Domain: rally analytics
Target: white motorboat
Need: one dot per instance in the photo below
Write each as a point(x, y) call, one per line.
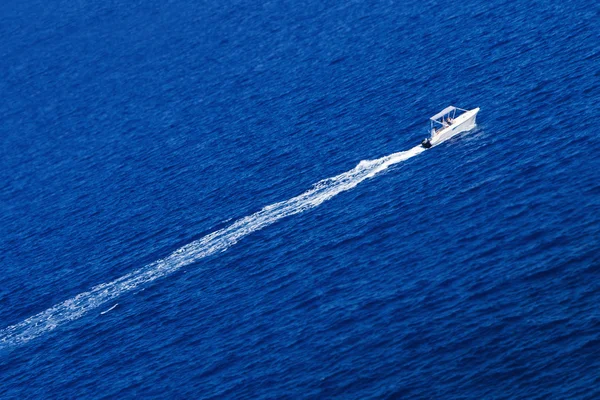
point(449, 122)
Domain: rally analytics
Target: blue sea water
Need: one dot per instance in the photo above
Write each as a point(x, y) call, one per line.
point(225, 200)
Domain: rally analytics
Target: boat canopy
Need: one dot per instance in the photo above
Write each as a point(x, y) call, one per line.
point(450, 111)
point(444, 112)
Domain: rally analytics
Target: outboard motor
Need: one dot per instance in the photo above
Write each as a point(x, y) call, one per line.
point(426, 143)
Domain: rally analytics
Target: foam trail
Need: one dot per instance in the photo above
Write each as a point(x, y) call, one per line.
point(215, 242)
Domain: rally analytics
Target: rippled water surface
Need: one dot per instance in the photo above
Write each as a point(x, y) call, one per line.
point(227, 200)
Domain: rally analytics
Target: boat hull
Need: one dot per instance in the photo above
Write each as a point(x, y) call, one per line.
point(463, 123)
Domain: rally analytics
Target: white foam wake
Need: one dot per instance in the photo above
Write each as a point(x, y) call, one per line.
point(217, 241)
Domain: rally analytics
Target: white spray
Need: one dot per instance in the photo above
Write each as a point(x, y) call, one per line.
point(217, 241)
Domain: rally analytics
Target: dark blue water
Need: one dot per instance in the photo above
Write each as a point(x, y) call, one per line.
point(161, 237)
